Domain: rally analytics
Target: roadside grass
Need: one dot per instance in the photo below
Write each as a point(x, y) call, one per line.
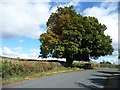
point(18, 70)
point(16, 78)
point(14, 70)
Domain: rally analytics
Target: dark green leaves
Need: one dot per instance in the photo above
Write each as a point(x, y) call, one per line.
point(73, 36)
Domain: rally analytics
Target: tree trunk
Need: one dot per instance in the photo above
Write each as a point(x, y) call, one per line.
point(69, 62)
point(85, 57)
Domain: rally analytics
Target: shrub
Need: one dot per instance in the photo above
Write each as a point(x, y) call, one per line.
point(85, 65)
point(14, 67)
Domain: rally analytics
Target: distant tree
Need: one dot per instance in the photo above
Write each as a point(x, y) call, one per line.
point(74, 37)
point(108, 62)
point(103, 62)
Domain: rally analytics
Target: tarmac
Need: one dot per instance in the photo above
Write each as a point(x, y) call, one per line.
point(113, 81)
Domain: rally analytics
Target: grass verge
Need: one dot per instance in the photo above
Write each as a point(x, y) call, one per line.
point(30, 76)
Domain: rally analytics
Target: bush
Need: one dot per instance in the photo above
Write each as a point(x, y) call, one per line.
point(14, 67)
point(107, 65)
point(85, 65)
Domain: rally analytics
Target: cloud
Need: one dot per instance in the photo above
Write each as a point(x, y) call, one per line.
point(112, 59)
point(26, 18)
point(35, 53)
point(62, 3)
point(19, 1)
point(115, 53)
point(7, 51)
point(23, 19)
point(11, 52)
point(106, 14)
point(18, 52)
point(15, 53)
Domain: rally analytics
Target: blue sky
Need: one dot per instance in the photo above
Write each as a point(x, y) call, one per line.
point(22, 22)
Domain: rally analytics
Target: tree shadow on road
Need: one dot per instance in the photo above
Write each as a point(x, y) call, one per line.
point(89, 87)
point(99, 81)
point(101, 75)
point(108, 72)
point(96, 83)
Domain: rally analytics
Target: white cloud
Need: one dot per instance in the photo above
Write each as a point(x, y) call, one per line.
point(68, 3)
point(23, 19)
point(106, 14)
point(11, 52)
point(17, 52)
point(7, 51)
point(34, 53)
point(112, 59)
point(115, 53)
point(19, 1)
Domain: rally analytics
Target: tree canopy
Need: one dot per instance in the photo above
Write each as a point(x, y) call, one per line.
point(75, 37)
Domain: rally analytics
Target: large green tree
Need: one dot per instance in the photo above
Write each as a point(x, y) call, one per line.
point(75, 37)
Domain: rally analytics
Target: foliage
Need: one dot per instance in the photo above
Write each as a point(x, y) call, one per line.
point(13, 67)
point(85, 65)
point(105, 62)
point(74, 37)
point(118, 66)
point(104, 65)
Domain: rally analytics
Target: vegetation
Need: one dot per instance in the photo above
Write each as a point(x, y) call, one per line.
point(107, 65)
point(74, 37)
point(11, 68)
point(105, 62)
point(16, 70)
point(85, 65)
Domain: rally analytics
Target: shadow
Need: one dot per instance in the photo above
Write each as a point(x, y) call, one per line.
point(100, 80)
point(108, 72)
point(115, 76)
point(85, 66)
point(89, 87)
point(101, 75)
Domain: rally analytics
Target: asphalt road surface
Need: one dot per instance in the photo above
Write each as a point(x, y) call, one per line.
point(88, 79)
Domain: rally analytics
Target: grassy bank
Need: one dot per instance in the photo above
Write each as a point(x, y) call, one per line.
point(18, 70)
point(30, 76)
point(11, 68)
point(14, 70)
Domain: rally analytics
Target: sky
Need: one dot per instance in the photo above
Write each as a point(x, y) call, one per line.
point(23, 21)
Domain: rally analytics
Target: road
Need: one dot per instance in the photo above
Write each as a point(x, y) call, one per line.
point(88, 79)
